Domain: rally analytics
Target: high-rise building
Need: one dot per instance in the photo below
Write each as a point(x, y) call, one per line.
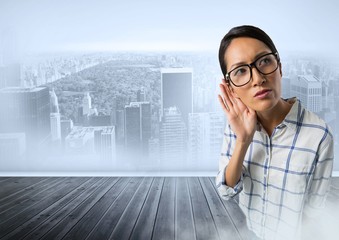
point(104, 143)
point(286, 87)
point(137, 126)
point(173, 139)
point(92, 141)
point(308, 89)
point(205, 131)
point(120, 127)
point(177, 90)
point(86, 104)
point(26, 110)
point(55, 117)
point(66, 128)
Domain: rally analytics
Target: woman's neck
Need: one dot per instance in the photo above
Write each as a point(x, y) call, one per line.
point(273, 117)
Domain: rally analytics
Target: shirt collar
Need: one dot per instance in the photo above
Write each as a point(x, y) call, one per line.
point(294, 116)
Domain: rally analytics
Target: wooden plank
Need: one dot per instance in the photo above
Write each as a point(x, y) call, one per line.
point(3, 179)
point(66, 209)
point(57, 193)
point(16, 184)
point(38, 224)
point(106, 224)
point(164, 227)
point(237, 216)
point(16, 207)
point(184, 222)
point(70, 220)
point(144, 226)
point(25, 194)
point(124, 227)
point(204, 224)
point(222, 219)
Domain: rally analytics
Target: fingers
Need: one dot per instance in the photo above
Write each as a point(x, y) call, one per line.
point(223, 104)
point(226, 96)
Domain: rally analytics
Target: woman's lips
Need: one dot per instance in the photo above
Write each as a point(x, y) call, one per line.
point(262, 93)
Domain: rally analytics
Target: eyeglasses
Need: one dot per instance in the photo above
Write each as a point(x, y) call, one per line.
point(242, 75)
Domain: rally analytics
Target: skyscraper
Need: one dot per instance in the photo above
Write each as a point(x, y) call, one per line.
point(173, 140)
point(120, 126)
point(26, 110)
point(86, 104)
point(177, 90)
point(92, 141)
point(104, 143)
point(205, 137)
point(137, 126)
point(286, 87)
point(66, 128)
point(55, 117)
point(308, 89)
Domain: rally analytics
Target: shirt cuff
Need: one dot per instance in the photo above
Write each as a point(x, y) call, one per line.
point(227, 192)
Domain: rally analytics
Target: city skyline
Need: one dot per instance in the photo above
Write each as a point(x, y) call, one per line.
point(92, 100)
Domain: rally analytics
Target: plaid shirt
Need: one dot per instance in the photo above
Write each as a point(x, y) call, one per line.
point(284, 176)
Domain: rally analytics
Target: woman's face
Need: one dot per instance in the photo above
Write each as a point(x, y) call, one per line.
point(263, 92)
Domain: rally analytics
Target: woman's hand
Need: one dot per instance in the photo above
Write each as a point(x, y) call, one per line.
point(242, 119)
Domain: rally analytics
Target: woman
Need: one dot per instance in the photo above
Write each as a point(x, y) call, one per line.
point(276, 154)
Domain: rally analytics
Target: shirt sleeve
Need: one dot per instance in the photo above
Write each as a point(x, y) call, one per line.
point(321, 179)
point(227, 192)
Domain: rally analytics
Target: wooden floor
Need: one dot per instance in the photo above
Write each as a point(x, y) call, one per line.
point(120, 208)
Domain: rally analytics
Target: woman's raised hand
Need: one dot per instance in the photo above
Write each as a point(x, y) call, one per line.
point(242, 119)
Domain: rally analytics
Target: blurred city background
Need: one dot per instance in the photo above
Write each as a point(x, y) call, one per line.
point(73, 103)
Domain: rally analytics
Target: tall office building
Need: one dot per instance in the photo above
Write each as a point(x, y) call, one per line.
point(137, 127)
point(66, 128)
point(173, 139)
point(104, 143)
point(55, 117)
point(177, 90)
point(286, 87)
point(205, 133)
point(86, 104)
point(120, 127)
point(308, 89)
point(92, 141)
point(26, 110)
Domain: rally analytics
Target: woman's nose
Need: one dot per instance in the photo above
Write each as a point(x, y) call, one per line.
point(257, 77)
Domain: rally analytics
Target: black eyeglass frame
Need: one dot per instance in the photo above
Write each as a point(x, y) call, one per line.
point(251, 65)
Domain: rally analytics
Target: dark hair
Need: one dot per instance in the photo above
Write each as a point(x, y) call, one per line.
point(242, 31)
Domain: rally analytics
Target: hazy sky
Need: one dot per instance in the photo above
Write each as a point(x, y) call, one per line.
point(41, 25)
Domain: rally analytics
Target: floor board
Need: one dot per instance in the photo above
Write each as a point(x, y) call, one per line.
point(177, 208)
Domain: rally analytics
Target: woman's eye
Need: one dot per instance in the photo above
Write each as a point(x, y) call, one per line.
point(264, 61)
point(240, 71)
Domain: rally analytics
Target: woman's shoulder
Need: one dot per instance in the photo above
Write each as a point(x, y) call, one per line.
point(313, 120)
point(311, 123)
